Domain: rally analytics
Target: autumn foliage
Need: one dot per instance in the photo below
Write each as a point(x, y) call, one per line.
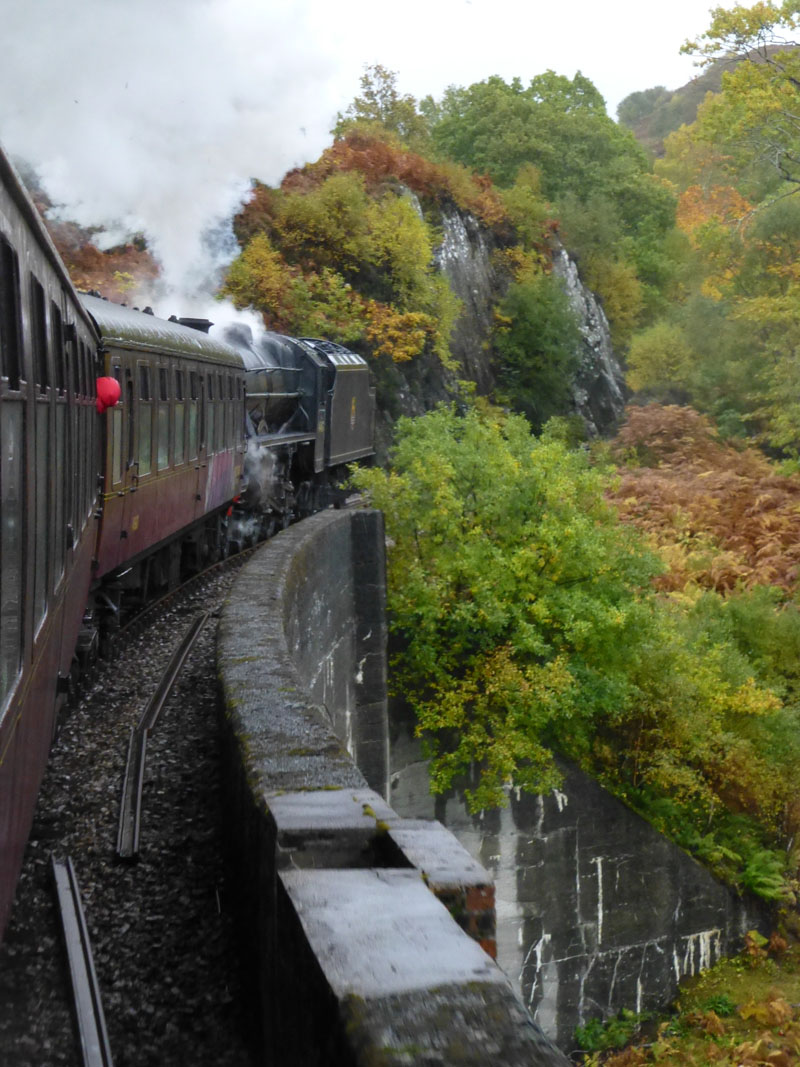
point(721, 515)
point(343, 250)
point(698, 206)
point(381, 161)
point(115, 273)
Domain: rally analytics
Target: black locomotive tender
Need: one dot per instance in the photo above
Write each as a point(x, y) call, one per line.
point(213, 444)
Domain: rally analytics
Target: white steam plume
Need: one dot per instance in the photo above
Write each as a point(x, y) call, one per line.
point(152, 115)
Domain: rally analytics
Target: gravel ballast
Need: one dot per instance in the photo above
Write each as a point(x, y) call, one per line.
point(163, 940)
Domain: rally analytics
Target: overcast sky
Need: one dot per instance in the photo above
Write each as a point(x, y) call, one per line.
point(155, 113)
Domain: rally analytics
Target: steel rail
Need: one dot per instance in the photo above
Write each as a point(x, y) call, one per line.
point(88, 1008)
point(139, 622)
point(159, 698)
point(130, 809)
point(130, 813)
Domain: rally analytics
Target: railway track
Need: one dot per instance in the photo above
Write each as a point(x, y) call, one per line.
point(131, 804)
point(89, 1017)
point(163, 940)
point(163, 946)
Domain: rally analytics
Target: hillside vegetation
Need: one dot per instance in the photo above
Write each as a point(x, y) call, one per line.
point(633, 606)
point(652, 114)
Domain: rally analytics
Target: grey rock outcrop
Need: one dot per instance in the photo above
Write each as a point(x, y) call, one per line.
point(599, 388)
point(465, 257)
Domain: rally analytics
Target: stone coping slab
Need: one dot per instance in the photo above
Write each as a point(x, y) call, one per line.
point(436, 852)
point(380, 932)
point(327, 810)
point(478, 1024)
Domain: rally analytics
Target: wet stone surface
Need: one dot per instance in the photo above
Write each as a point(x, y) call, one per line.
point(162, 938)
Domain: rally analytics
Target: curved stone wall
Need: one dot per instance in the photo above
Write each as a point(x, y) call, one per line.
point(352, 958)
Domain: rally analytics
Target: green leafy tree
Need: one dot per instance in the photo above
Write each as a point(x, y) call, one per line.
point(326, 225)
point(536, 338)
point(557, 123)
point(756, 113)
point(659, 361)
point(527, 207)
point(637, 106)
point(513, 594)
point(737, 170)
point(615, 215)
point(381, 104)
point(524, 623)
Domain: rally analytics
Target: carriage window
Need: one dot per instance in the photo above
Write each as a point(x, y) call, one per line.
point(10, 329)
point(163, 419)
point(180, 448)
point(39, 329)
point(83, 377)
point(129, 405)
point(60, 514)
point(73, 374)
point(228, 380)
point(41, 547)
point(116, 444)
point(116, 431)
point(145, 421)
point(85, 450)
point(194, 393)
point(57, 344)
point(210, 412)
point(221, 414)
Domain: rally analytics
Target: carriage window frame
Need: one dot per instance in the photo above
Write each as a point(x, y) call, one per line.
point(144, 418)
point(11, 347)
point(39, 334)
point(179, 409)
point(210, 412)
point(163, 421)
point(130, 420)
point(221, 414)
point(117, 428)
point(194, 421)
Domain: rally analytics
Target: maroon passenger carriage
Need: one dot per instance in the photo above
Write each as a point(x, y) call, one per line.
point(48, 487)
point(168, 458)
point(99, 512)
point(172, 460)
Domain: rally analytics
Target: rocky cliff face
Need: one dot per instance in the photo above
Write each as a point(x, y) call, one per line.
point(598, 392)
point(465, 258)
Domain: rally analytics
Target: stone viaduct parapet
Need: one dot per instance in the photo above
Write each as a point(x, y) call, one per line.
point(369, 937)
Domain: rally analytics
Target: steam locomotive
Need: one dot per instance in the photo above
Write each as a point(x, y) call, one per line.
point(212, 444)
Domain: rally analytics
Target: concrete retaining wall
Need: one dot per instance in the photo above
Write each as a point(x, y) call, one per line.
point(353, 951)
point(597, 911)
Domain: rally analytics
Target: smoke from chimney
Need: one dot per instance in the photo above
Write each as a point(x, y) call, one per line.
point(153, 116)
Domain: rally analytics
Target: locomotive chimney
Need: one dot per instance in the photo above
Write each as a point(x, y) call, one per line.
point(203, 325)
